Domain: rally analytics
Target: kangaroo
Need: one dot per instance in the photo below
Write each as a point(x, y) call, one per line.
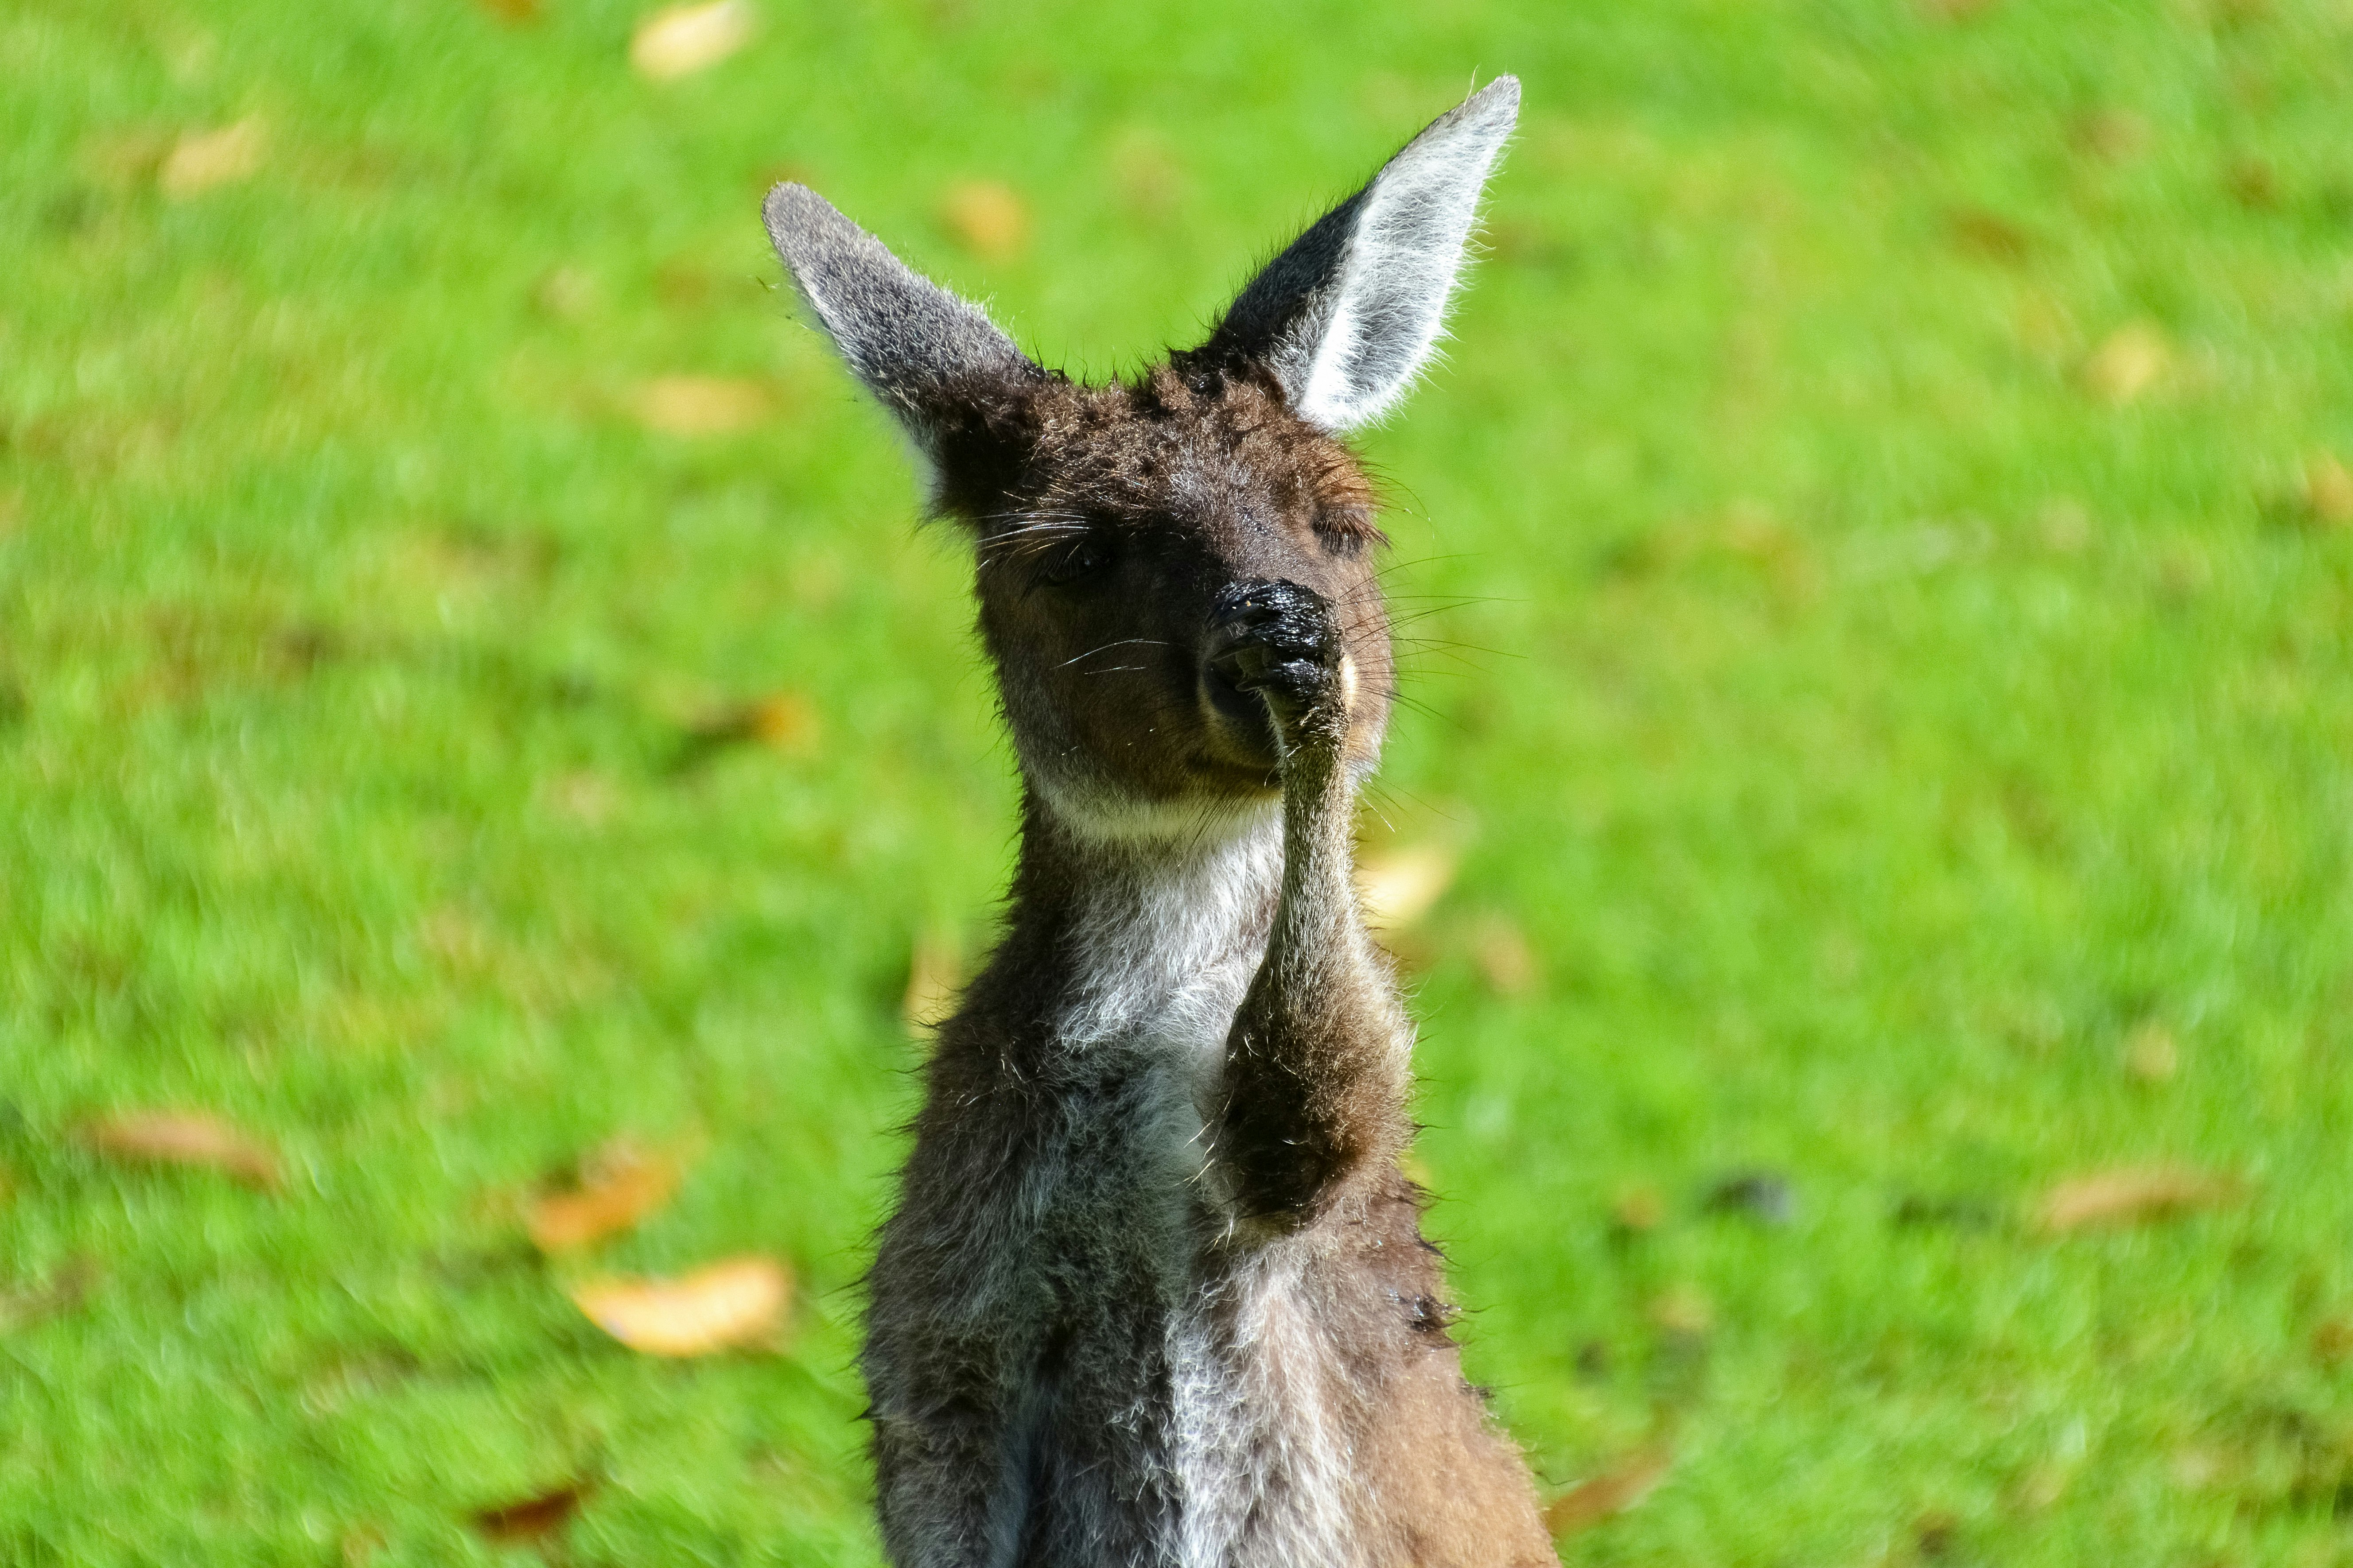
point(1155, 1291)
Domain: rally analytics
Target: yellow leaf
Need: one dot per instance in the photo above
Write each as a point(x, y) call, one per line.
point(935, 975)
point(734, 1303)
point(619, 1187)
point(682, 39)
point(184, 1137)
point(987, 217)
point(2328, 490)
point(1398, 887)
point(1613, 1492)
point(200, 161)
point(703, 405)
point(2151, 1054)
point(2132, 1194)
point(2129, 363)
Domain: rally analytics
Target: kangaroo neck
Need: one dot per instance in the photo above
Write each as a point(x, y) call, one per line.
point(1142, 934)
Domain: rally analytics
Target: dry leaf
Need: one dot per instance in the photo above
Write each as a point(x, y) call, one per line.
point(2328, 490)
point(619, 1186)
point(703, 405)
point(1638, 1209)
point(735, 1303)
point(1505, 960)
point(201, 161)
point(683, 40)
point(987, 219)
point(935, 975)
point(2132, 360)
point(184, 1137)
point(22, 1306)
point(1398, 887)
point(2151, 1054)
point(533, 1518)
point(1684, 1313)
point(2130, 1195)
point(1611, 1492)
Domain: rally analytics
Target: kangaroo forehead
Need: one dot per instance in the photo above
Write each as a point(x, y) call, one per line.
point(1193, 450)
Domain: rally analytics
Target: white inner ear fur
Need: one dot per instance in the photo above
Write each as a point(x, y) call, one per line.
point(1404, 260)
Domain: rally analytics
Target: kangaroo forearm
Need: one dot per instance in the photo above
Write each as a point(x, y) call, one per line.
point(1316, 1064)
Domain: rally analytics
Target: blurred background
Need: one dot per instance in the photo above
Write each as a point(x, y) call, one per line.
point(488, 766)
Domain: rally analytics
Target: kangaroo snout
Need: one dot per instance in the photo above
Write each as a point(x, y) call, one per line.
point(1274, 650)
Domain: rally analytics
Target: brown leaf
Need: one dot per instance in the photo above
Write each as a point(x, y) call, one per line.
point(1638, 1209)
point(2151, 1054)
point(2131, 360)
point(619, 1186)
point(682, 39)
point(987, 217)
point(1990, 235)
point(201, 161)
point(2131, 1196)
point(738, 1302)
point(703, 405)
point(2328, 490)
point(1505, 960)
point(22, 1306)
point(935, 975)
point(184, 1137)
point(535, 1517)
point(1398, 887)
point(1613, 1492)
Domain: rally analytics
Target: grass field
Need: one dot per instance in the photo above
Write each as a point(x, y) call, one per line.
point(471, 688)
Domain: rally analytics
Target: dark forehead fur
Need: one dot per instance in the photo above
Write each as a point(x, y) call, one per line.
point(1183, 444)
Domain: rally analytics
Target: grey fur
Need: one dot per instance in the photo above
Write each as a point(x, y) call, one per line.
point(916, 346)
point(1351, 313)
point(1155, 1294)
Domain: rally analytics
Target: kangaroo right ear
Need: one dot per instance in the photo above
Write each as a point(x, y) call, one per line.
point(935, 362)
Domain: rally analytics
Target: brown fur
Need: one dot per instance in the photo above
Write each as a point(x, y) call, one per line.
point(1155, 1291)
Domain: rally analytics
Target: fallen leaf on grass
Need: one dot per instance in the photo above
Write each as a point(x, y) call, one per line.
point(2131, 360)
point(184, 1137)
point(701, 404)
point(22, 1306)
point(532, 1519)
point(2151, 1054)
point(737, 1303)
point(1505, 960)
point(935, 974)
point(2328, 490)
point(682, 39)
point(619, 1186)
point(782, 720)
point(987, 217)
point(2131, 1196)
point(203, 159)
point(1398, 887)
point(1611, 1492)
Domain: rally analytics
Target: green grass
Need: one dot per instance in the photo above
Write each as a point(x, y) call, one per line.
point(1867, 722)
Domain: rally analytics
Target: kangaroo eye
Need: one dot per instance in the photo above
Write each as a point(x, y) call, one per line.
point(1074, 562)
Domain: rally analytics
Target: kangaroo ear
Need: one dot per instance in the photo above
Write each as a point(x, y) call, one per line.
point(1348, 315)
point(936, 363)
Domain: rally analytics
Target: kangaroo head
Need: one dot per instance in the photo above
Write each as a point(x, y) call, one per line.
point(1122, 533)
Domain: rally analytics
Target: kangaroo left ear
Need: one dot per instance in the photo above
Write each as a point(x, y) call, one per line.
point(1348, 317)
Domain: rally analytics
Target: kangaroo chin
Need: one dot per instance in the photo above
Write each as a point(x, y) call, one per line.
point(1155, 1291)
